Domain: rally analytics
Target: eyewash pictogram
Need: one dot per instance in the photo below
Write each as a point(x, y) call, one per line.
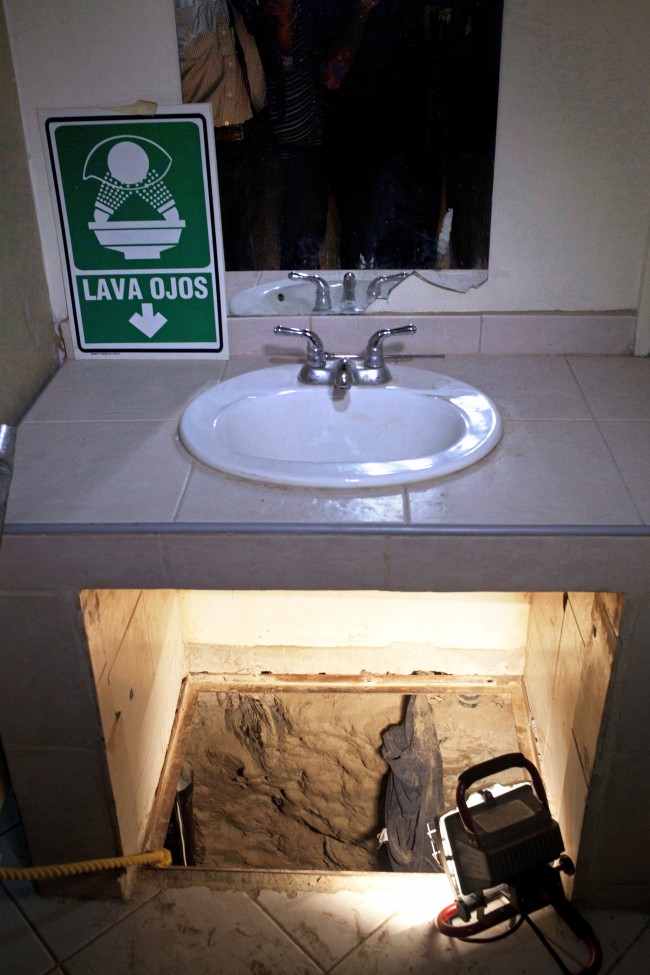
point(124, 168)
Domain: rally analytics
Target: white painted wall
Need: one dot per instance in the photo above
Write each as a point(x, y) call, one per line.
point(89, 54)
point(572, 185)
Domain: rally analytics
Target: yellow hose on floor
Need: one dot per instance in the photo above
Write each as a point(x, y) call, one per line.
point(159, 858)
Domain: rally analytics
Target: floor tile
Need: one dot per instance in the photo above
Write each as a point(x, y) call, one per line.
point(65, 925)
point(328, 926)
point(407, 942)
point(193, 930)
point(634, 960)
point(618, 935)
point(9, 815)
point(522, 953)
point(410, 941)
point(13, 847)
point(21, 951)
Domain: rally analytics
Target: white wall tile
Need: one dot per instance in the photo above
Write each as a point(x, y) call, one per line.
point(106, 617)
point(269, 561)
point(63, 794)
point(131, 679)
point(80, 560)
point(439, 562)
point(47, 695)
point(544, 634)
point(572, 805)
point(549, 334)
point(566, 686)
point(591, 692)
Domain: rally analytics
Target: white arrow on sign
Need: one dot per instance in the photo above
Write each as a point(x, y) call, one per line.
point(147, 321)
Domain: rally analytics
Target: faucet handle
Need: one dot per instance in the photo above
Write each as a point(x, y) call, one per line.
point(375, 348)
point(323, 301)
point(316, 354)
point(374, 288)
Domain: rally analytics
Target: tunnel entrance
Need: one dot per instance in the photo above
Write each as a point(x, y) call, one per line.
point(296, 780)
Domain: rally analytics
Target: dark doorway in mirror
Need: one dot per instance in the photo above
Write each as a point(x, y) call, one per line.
point(349, 133)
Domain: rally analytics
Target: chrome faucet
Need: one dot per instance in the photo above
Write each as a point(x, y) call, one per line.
point(318, 367)
point(349, 287)
point(343, 376)
point(374, 371)
point(374, 288)
point(343, 371)
point(323, 301)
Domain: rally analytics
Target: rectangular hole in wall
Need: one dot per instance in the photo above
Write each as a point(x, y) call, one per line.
point(169, 664)
point(292, 776)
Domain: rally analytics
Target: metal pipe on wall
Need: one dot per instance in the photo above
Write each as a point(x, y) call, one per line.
point(7, 447)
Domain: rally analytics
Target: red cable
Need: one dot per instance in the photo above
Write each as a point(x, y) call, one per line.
point(447, 914)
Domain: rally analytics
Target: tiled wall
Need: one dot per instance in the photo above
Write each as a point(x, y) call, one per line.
point(134, 639)
point(28, 343)
point(614, 843)
point(550, 333)
point(571, 645)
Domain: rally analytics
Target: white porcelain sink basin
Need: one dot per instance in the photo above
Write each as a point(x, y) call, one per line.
point(267, 426)
point(295, 298)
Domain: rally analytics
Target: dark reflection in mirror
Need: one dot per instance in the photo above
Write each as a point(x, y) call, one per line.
point(349, 133)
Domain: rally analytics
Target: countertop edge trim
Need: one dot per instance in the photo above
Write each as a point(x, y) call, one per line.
point(389, 528)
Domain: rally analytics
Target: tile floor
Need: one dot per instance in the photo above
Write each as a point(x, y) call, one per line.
point(205, 931)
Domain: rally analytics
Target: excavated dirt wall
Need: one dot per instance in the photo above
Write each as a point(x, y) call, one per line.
point(296, 780)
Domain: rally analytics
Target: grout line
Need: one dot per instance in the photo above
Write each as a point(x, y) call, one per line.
point(625, 951)
point(386, 546)
point(285, 932)
point(109, 927)
point(363, 941)
point(30, 924)
point(406, 506)
point(596, 421)
point(182, 493)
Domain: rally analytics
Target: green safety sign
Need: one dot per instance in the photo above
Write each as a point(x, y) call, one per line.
point(138, 213)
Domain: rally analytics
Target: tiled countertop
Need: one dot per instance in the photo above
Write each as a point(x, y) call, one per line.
point(99, 453)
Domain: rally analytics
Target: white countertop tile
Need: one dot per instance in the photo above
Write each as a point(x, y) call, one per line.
point(100, 447)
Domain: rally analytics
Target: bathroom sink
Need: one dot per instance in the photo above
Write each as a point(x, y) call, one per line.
point(295, 298)
point(267, 426)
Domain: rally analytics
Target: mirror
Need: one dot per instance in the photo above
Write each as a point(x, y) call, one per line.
point(352, 134)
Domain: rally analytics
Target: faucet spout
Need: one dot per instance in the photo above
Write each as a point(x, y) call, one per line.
point(343, 375)
point(349, 286)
